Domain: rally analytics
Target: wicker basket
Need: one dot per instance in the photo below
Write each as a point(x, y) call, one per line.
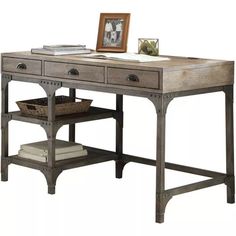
point(64, 105)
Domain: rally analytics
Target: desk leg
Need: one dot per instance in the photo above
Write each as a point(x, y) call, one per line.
point(4, 128)
point(119, 136)
point(230, 182)
point(72, 93)
point(160, 168)
point(161, 103)
point(51, 172)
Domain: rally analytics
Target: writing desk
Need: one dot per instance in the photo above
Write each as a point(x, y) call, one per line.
point(160, 82)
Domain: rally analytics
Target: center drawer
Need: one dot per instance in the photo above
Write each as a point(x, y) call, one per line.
point(74, 71)
point(136, 78)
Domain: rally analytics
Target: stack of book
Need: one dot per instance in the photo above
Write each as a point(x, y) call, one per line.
point(38, 151)
point(56, 50)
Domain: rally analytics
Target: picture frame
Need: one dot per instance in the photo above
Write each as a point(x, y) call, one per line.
point(113, 32)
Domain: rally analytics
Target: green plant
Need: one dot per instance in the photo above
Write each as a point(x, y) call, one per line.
point(149, 47)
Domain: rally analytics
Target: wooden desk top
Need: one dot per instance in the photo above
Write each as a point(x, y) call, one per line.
point(177, 74)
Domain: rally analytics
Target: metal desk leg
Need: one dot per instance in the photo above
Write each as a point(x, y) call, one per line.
point(72, 93)
point(51, 172)
point(160, 168)
point(230, 181)
point(119, 136)
point(4, 127)
point(161, 103)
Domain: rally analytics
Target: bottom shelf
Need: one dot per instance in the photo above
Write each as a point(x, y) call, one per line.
point(94, 156)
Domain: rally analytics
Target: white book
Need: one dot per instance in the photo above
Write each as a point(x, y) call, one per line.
point(60, 52)
point(132, 57)
point(64, 47)
point(41, 148)
point(58, 157)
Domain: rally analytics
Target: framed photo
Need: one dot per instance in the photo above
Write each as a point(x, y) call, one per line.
point(113, 32)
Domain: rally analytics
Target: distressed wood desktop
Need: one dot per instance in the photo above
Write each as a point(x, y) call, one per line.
point(160, 82)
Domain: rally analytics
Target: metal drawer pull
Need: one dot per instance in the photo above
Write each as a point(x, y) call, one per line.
point(133, 78)
point(73, 71)
point(21, 66)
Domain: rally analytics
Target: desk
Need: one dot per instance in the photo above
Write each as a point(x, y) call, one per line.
point(160, 82)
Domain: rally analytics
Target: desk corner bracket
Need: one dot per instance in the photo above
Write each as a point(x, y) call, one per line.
point(161, 102)
point(51, 128)
point(50, 87)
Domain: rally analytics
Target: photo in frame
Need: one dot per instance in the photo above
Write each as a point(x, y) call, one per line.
point(113, 32)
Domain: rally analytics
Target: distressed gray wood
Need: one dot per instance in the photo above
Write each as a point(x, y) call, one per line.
point(85, 72)
point(174, 64)
point(198, 77)
point(146, 79)
point(178, 74)
point(87, 85)
point(32, 66)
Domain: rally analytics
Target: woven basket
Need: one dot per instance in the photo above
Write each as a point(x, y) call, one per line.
point(64, 105)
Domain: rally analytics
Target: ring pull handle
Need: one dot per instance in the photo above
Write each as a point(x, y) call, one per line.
point(133, 78)
point(21, 66)
point(73, 71)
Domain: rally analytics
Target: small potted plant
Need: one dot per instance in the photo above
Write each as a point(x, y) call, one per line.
point(148, 46)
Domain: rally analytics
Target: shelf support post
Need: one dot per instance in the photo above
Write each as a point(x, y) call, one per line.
point(120, 163)
point(5, 79)
point(72, 93)
point(51, 128)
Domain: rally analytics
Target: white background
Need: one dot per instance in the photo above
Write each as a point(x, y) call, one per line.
point(89, 200)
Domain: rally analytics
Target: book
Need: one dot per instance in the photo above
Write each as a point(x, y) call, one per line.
point(132, 57)
point(65, 47)
point(58, 157)
point(58, 52)
point(41, 148)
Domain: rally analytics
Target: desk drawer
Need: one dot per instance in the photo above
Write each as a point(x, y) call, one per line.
point(19, 65)
point(74, 71)
point(136, 78)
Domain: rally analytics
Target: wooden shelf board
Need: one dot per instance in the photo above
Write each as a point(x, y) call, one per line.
point(94, 156)
point(94, 113)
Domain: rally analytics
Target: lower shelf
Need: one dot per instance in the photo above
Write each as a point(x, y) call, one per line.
point(94, 156)
point(98, 155)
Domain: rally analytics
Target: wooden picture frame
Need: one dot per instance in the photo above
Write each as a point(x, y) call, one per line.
point(113, 32)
